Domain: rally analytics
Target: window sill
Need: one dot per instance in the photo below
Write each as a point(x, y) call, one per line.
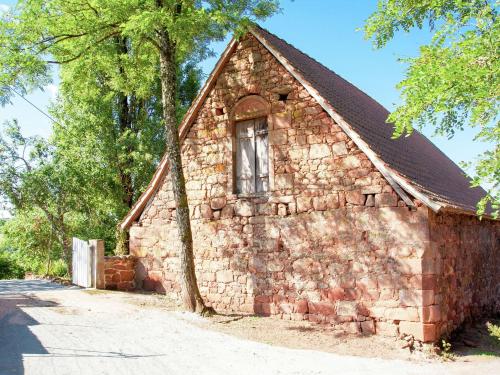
point(253, 195)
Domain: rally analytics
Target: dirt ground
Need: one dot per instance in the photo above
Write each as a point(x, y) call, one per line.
point(50, 329)
point(471, 344)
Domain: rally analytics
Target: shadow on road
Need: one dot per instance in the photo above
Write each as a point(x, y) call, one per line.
point(16, 338)
point(28, 286)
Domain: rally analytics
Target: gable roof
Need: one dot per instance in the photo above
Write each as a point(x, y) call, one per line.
point(410, 164)
point(414, 157)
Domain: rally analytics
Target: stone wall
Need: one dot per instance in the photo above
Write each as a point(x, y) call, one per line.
point(464, 259)
point(331, 242)
point(119, 272)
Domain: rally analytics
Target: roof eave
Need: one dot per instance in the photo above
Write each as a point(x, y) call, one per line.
point(186, 122)
point(398, 183)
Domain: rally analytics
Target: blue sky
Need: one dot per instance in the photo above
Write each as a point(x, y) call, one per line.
point(325, 30)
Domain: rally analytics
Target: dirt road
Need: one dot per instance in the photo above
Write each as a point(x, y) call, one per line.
point(49, 329)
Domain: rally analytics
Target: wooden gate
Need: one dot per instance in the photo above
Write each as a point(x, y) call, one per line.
point(82, 263)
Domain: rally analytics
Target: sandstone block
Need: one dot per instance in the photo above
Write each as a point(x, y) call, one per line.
point(206, 211)
point(335, 294)
point(303, 204)
point(286, 308)
point(282, 120)
point(227, 212)
point(425, 332)
point(217, 191)
point(367, 283)
point(351, 327)
point(243, 208)
point(368, 327)
point(431, 314)
point(278, 137)
point(374, 189)
point(355, 197)
point(301, 307)
point(339, 148)
point(321, 308)
point(386, 329)
point(350, 162)
point(127, 275)
point(283, 181)
point(332, 201)
point(402, 313)
point(320, 203)
point(217, 203)
point(319, 151)
point(386, 200)
point(224, 276)
point(347, 308)
point(415, 297)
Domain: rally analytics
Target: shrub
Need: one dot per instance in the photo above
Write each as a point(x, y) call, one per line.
point(9, 267)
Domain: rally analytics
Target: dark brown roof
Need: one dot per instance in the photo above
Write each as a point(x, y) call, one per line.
point(414, 157)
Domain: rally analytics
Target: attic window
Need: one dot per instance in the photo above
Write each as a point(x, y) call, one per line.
point(219, 111)
point(283, 97)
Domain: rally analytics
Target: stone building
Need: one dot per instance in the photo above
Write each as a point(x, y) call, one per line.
point(303, 207)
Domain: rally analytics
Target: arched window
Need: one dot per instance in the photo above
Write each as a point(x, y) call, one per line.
point(251, 146)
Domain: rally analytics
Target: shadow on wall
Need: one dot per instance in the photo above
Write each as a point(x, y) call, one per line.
point(333, 266)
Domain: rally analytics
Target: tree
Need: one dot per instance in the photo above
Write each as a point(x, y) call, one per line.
point(454, 82)
point(161, 33)
point(32, 180)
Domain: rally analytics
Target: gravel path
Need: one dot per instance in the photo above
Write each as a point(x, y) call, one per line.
point(49, 329)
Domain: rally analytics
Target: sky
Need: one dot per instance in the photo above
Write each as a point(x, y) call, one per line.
point(327, 31)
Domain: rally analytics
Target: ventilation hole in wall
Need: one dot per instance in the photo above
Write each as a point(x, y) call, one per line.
point(283, 97)
point(369, 200)
point(219, 111)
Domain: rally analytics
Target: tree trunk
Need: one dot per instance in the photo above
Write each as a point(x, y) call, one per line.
point(49, 249)
point(124, 125)
point(190, 293)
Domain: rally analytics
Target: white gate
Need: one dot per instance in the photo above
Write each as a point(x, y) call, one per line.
point(82, 263)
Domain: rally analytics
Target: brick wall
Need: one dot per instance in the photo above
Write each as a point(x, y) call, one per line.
point(119, 272)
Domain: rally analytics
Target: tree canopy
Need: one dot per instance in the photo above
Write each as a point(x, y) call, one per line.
point(454, 82)
point(128, 73)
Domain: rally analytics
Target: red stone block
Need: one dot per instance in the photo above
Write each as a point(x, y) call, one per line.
point(301, 307)
point(263, 309)
point(421, 331)
point(127, 275)
point(431, 314)
point(321, 308)
point(335, 294)
point(351, 294)
point(429, 282)
point(368, 327)
point(263, 299)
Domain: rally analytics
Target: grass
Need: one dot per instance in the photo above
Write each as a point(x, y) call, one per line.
point(481, 339)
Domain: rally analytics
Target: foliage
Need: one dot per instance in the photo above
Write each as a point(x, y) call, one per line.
point(446, 351)
point(454, 82)
point(117, 106)
point(494, 330)
point(9, 268)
